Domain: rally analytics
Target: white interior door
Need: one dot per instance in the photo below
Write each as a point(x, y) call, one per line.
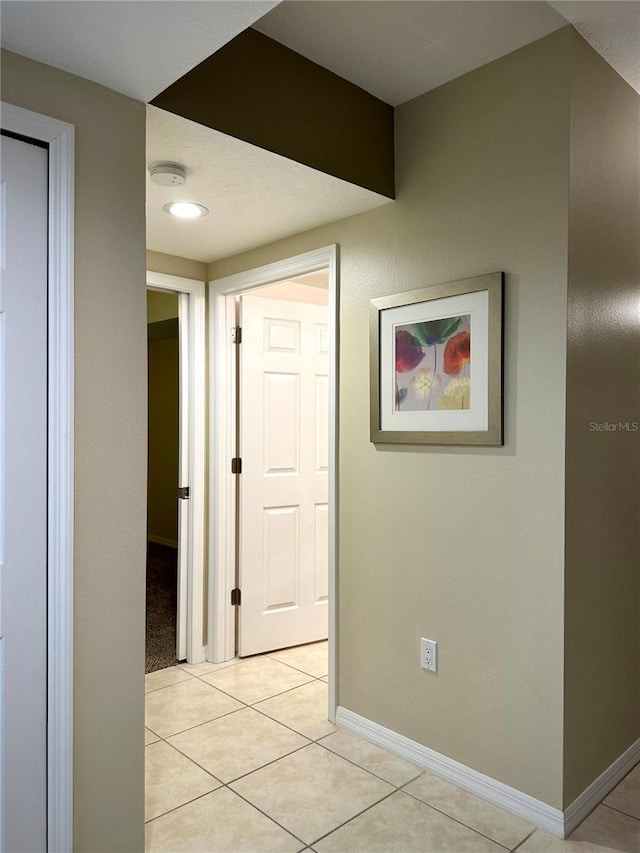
point(23, 495)
point(284, 430)
point(184, 539)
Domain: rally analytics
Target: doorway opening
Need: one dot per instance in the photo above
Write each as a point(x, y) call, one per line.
point(282, 439)
point(273, 513)
point(163, 363)
point(176, 460)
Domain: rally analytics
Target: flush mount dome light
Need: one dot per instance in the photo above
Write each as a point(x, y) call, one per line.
point(185, 209)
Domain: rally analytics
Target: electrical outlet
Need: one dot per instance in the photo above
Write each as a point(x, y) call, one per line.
point(429, 654)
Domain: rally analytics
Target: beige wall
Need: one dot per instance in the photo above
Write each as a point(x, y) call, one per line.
point(161, 306)
point(164, 420)
point(110, 446)
point(174, 265)
point(602, 631)
point(463, 545)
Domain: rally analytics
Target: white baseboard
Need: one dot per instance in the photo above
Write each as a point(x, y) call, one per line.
point(482, 786)
point(598, 789)
point(555, 821)
point(160, 540)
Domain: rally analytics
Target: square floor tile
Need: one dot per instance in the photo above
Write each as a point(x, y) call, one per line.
point(312, 791)
point(609, 828)
point(256, 679)
point(172, 780)
point(220, 821)
point(403, 824)
point(312, 659)
point(182, 706)
point(303, 709)
point(500, 825)
point(237, 743)
point(149, 737)
point(164, 678)
point(543, 842)
point(626, 795)
point(378, 761)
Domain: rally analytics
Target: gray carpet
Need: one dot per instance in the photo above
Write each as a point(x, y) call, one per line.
point(162, 602)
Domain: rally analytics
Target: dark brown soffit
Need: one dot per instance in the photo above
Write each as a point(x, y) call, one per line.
point(260, 91)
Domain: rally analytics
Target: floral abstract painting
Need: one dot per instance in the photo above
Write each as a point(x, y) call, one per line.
point(430, 382)
point(433, 364)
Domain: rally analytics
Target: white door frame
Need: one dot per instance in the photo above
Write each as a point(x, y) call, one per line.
point(194, 375)
point(222, 545)
point(59, 136)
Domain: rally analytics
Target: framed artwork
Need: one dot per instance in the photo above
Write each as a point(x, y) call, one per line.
point(436, 364)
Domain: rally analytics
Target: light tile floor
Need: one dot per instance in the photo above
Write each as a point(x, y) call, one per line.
point(240, 758)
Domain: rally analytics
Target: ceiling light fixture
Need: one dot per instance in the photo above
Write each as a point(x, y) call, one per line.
point(185, 209)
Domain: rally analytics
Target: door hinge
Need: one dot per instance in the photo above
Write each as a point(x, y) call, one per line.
point(236, 335)
point(183, 493)
point(236, 597)
point(236, 465)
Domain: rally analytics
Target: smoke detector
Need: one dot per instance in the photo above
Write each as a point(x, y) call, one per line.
point(168, 174)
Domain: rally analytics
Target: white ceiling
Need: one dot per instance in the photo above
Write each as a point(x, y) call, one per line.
point(253, 195)
point(612, 28)
point(392, 48)
point(397, 50)
point(137, 47)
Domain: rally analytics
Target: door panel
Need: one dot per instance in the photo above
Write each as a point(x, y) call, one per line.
point(284, 430)
point(23, 550)
point(184, 539)
point(321, 424)
point(321, 542)
point(281, 563)
point(281, 423)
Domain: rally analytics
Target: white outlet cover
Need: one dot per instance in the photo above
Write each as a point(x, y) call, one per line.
point(428, 654)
